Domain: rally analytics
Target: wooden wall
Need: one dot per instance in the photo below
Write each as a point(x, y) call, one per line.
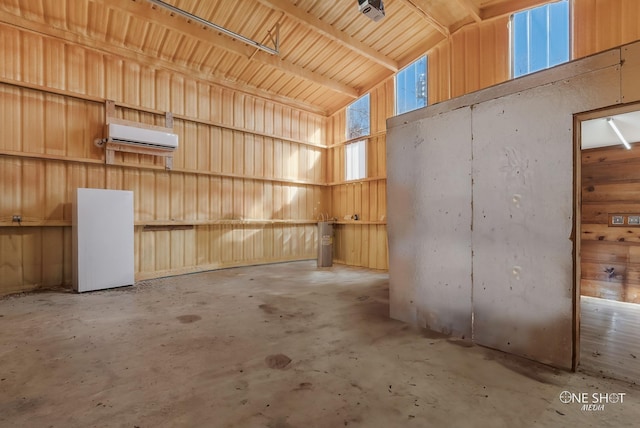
point(247, 184)
point(610, 266)
point(608, 172)
point(475, 57)
point(599, 25)
point(361, 242)
point(250, 175)
point(472, 59)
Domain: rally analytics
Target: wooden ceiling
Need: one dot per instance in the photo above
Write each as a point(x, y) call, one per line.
point(329, 53)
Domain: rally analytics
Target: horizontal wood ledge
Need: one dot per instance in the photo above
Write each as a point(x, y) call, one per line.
point(159, 168)
point(167, 223)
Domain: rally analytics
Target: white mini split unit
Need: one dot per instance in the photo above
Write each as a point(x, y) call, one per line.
point(134, 136)
point(373, 9)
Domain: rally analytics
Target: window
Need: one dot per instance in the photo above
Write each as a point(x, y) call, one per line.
point(355, 160)
point(540, 38)
point(358, 118)
point(411, 86)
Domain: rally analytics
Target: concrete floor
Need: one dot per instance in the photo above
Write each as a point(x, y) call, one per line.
point(284, 345)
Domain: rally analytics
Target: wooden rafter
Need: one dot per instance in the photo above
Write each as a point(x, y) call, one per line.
point(472, 9)
point(423, 11)
point(145, 10)
point(105, 47)
point(331, 32)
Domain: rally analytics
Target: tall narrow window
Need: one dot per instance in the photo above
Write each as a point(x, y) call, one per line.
point(355, 160)
point(411, 86)
point(358, 124)
point(540, 38)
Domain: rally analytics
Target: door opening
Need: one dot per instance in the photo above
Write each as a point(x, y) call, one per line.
point(607, 248)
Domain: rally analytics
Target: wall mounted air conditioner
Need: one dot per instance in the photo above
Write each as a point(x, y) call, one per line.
point(135, 136)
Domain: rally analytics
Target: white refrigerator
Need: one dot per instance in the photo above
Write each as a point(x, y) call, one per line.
point(102, 239)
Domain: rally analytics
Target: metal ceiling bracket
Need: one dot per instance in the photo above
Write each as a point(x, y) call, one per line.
point(226, 31)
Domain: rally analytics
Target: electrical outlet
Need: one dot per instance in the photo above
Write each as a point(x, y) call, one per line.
point(17, 219)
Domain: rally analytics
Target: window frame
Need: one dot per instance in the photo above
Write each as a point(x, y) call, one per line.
point(426, 85)
point(355, 168)
point(367, 132)
point(512, 42)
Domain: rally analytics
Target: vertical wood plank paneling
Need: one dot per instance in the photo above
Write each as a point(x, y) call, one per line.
point(226, 197)
point(603, 24)
point(31, 256)
point(238, 199)
point(494, 47)
point(113, 78)
point(114, 178)
point(55, 191)
point(11, 118)
point(177, 94)
point(55, 120)
point(41, 190)
point(215, 198)
point(11, 268)
point(31, 185)
point(191, 99)
point(131, 83)
point(258, 156)
point(202, 198)
point(215, 153)
point(162, 90)
point(203, 244)
point(162, 250)
point(75, 69)
point(53, 256)
point(11, 53)
point(190, 249)
point(96, 176)
point(610, 262)
point(177, 248)
point(145, 209)
point(237, 152)
point(32, 65)
point(177, 197)
point(190, 146)
point(54, 60)
point(77, 135)
point(227, 151)
point(11, 174)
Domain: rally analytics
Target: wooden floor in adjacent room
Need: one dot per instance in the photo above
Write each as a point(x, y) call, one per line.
point(610, 338)
point(285, 345)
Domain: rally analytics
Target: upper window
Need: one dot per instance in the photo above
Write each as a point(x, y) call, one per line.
point(411, 86)
point(358, 124)
point(540, 38)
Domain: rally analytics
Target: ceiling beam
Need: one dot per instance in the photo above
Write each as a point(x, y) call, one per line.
point(423, 11)
point(509, 7)
point(471, 9)
point(154, 15)
point(331, 32)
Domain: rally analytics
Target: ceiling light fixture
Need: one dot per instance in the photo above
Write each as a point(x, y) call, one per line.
point(618, 133)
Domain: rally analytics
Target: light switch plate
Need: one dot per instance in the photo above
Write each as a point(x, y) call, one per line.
point(617, 219)
point(633, 220)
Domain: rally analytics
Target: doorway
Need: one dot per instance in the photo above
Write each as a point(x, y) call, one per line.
point(608, 242)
